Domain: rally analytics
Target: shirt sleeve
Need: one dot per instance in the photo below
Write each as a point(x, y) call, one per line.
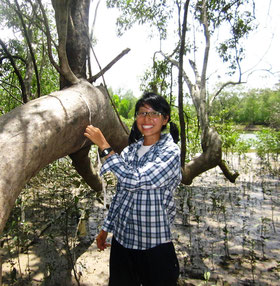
point(107, 224)
point(161, 172)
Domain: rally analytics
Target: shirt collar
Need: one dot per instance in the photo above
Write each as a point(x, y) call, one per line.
point(164, 137)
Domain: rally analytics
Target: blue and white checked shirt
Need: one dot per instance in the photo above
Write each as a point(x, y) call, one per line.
point(143, 208)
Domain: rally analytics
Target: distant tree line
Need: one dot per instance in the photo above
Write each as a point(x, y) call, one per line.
point(254, 107)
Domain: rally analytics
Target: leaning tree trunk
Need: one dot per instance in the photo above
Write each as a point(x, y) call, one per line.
point(48, 128)
point(211, 143)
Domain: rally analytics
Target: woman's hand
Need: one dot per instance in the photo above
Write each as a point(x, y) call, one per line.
point(96, 136)
point(101, 240)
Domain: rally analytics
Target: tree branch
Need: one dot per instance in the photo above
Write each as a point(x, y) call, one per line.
point(180, 85)
point(196, 73)
point(207, 46)
point(91, 37)
point(30, 48)
point(221, 88)
point(20, 79)
point(11, 95)
point(102, 72)
point(176, 64)
point(231, 176)
point(49, 40)
point(62, 8)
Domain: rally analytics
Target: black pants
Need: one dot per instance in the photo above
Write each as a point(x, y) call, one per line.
point(157, 266)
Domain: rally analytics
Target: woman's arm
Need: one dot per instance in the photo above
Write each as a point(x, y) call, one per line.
point(161, 172)
point(97, 137)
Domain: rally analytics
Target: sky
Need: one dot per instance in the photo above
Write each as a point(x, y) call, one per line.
point(262, 50)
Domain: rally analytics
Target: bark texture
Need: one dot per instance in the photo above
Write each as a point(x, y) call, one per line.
point(48, 128)
point(210, 158)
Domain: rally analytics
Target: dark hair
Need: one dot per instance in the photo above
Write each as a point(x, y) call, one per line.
point(158, 103)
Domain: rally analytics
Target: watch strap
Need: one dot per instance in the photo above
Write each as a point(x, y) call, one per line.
point(106, 152)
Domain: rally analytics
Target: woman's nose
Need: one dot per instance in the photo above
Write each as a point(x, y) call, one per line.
point(147, 118)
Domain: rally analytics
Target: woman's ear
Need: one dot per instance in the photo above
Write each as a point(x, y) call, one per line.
point(165, 120)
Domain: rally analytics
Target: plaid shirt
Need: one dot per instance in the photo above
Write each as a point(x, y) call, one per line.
point(143, 208)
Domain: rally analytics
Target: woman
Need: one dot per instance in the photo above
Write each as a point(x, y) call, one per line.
point(143, 209)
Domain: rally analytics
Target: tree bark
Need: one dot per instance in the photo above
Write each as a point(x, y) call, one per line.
point(77, 43)
point(48, 128)
point(210, 158)
point(62, 8)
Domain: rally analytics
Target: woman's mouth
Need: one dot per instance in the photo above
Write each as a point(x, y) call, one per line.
point(147, 126)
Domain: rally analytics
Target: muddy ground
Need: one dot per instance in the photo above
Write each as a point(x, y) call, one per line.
point(228, 233)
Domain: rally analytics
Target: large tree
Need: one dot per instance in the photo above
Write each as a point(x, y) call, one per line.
point(52, 126)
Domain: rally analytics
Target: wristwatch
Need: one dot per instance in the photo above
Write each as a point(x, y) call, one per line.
point(106, 152)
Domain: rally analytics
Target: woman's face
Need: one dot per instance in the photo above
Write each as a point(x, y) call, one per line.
point(149, 123)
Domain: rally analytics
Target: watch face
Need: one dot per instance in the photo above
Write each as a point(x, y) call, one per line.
point(105, 152)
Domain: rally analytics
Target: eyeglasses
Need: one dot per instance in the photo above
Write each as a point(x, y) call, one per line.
point(151, 114)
